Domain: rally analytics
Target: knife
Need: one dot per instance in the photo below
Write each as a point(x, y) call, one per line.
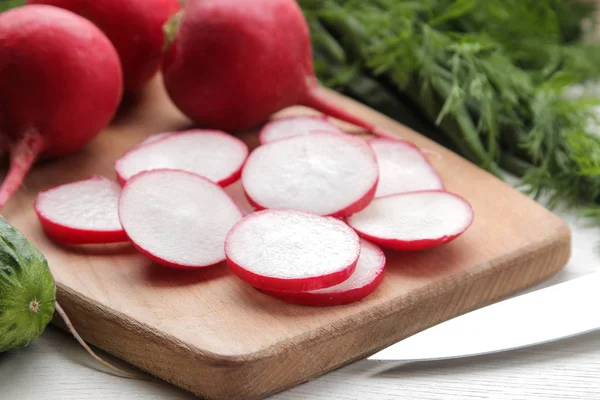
point(556, 312)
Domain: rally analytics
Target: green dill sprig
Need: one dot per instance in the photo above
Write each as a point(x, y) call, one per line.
point(486, 76)
point(8, 4)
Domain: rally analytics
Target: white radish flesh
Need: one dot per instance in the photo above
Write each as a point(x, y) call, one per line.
point(177, 218)
point(295, 126)
point(323, 173)
point(366, 278)
point(212, 154)
point(413, 221)
point(83, 212)
point(286, 250)
point(403, 168)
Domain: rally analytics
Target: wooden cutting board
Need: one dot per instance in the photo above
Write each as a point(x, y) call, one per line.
point(216, 336)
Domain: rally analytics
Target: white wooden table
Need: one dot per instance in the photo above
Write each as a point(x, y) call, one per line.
point(55, 367)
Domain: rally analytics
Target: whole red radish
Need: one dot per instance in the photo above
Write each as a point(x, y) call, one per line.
point(62, 85)
point(135, 27)
point(233, 63)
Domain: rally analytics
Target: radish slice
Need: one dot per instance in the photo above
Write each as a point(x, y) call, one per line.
point(295, 126)
point(236, 192)
point(177, 218)
point(83, 212)
point(323, 173)
point(414, 221)
point(366, 278)
point(286, 250)
point(403, 168)
point(212, 154)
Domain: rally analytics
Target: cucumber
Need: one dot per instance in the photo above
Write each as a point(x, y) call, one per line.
point(27, 290)
point(28, 296)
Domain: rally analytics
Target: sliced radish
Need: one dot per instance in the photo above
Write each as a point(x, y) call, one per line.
point(286, 250)
point(414, 221)
point(295, 126)
point(83, 212)
point(215, 155)
point(323, 173)
point(236, 192)
point(366, 278)
point(177, 218)
point(403, 168)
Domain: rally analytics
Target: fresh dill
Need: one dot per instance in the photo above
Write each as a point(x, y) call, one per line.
point(484, 77)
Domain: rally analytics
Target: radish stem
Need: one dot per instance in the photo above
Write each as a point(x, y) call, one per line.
point(118, 371)
point(317, 101)
point(22, 157)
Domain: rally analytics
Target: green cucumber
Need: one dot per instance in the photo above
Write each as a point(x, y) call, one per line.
point(27, 290)
point(28, 296)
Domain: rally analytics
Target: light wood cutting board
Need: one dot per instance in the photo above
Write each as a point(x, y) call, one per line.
point(216, 336)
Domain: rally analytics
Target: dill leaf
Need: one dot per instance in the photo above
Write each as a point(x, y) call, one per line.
point(487, 76)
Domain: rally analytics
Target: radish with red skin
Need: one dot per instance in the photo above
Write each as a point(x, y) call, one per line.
point(324, 173)
point(176, 218)
point(413, 221)
point(364, 280)
point(233, 63)
point(403, 168)
point(63, 85)
point(295, 126)
point(288, 250)
point(212, 154)
point(83, 212)
point(135, 28)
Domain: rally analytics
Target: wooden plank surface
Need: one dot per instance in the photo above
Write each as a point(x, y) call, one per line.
point(567, 369)
point(215, 336)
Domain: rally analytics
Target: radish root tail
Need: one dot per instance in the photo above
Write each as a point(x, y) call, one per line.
point(431, 154)
point(116, 370)
point(317, 100)
point(22, 157)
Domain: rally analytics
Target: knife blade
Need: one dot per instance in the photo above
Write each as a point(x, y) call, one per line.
point(556, 312)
